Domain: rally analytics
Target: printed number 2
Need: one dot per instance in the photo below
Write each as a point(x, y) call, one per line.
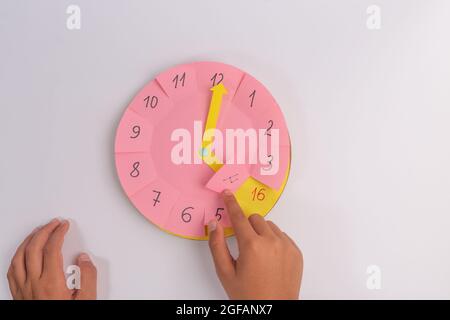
point(177, 79)
point(267, 133)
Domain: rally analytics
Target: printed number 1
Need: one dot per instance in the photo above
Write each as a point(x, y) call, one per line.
point(215, 78)
point(252, 96)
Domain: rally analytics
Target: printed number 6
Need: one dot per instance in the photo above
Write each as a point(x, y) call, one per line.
point(186, 216)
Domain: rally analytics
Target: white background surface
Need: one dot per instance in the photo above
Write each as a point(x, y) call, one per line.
point(368, 112)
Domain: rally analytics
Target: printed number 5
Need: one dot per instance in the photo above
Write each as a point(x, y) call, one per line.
point(219, 214)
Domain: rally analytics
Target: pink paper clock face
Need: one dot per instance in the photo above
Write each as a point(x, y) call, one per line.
point(190, 133)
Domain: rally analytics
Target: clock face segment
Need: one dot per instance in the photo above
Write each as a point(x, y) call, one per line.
point(190, 133)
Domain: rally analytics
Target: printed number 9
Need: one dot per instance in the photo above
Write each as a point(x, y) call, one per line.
point(137, 131)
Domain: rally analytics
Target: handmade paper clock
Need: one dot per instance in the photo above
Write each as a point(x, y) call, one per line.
point(190, 133)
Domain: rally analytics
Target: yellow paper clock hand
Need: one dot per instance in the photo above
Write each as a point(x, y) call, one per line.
point(211, 123)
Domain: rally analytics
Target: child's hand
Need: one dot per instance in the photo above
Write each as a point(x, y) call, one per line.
point(269, 265)
point(36, 270)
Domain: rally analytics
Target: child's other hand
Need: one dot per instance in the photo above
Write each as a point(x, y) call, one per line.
point(36, 270)
point(269, 265)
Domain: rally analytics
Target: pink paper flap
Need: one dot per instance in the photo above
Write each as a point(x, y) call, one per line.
point(229, 176)
point(267, 173)
point(133, 134)
point(179, 82)
point(215, 209)
point(252, 97)
point(156, 201)
point(210, 74)
point(135, 171)
point(186, 218)
point(151, 103)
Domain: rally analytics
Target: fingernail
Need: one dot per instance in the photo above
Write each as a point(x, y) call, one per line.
point(227, 192)
point(54, 220)
point(212, 225)
point(84, 257)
